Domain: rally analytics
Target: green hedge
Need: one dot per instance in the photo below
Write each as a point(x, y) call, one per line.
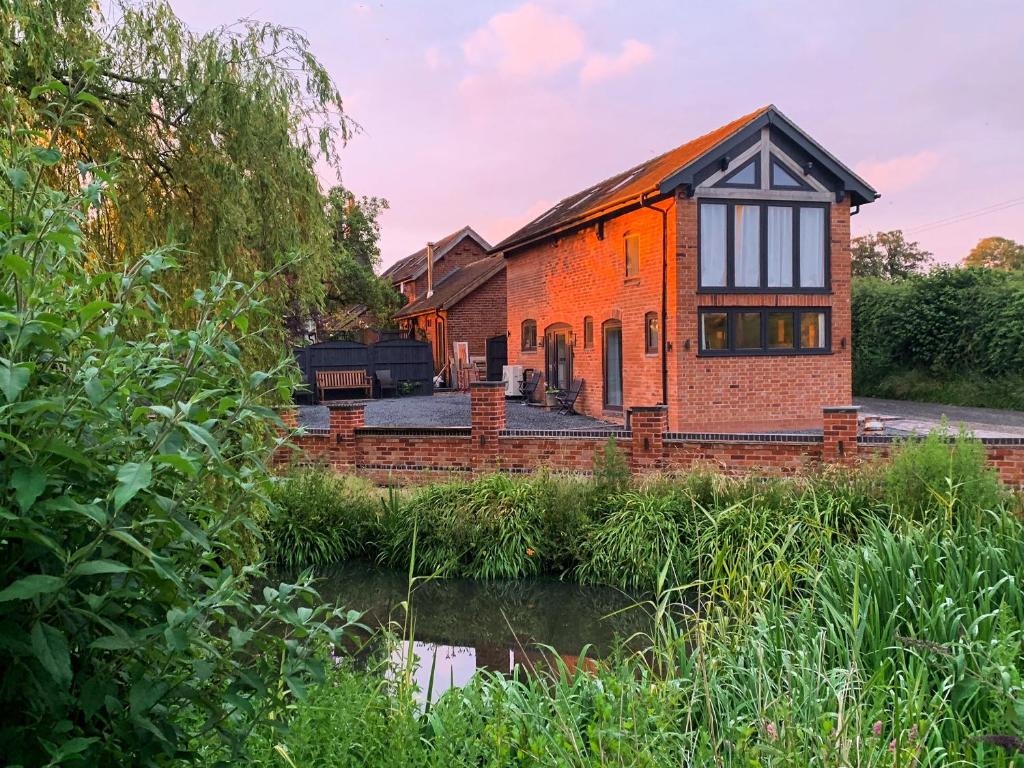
point(951, 323)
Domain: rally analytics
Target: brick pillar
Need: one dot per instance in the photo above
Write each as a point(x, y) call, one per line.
point(840, 434)
point(487, 419)
point(346, 418)
point(290, 420)
point(649, 423)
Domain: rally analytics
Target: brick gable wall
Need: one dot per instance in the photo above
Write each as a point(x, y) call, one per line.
point(466, 252)
point(579, 275)
point(480, 315)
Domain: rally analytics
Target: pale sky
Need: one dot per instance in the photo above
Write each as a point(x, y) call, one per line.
point(487, 113)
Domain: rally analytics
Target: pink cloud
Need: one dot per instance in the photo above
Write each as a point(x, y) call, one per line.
point(899, 173)
point(525, 42)
point(600, 67)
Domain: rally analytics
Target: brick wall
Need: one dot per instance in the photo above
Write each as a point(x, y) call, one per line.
point(753, 393)
point(423, 455)
point(577, 275)
point(480, 315)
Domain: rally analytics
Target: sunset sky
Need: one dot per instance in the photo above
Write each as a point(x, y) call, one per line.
point(487, 113)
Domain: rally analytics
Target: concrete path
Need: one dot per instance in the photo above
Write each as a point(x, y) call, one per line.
point(908, 416)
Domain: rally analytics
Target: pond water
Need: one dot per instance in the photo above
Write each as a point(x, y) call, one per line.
point(462, 626)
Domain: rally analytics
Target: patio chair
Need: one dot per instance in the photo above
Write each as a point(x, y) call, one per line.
point(529, 386)
point(385, 382)
point(567, 398)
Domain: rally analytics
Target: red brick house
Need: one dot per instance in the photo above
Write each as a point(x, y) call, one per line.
point(714, 278)
point(459, 297)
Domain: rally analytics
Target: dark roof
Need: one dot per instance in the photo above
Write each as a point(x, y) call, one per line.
point(455, 286)
point(415, 265)
point(662, 174)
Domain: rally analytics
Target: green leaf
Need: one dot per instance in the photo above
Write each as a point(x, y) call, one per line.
point(180, 463)
point(51, 650)
point(13, 379)
point(29, 484)
point(46, 155)
point(30, 586)
point(202, 435)
point(97, 567)
point(18, 178)
point(50, 87)
point(87, 98)
point(132, 477)
point(93, 308)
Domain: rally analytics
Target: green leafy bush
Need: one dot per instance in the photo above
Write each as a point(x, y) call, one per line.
point(635, 541)
point(319, 518)
point(938, 476)
point(132, 453)
point(948, 324)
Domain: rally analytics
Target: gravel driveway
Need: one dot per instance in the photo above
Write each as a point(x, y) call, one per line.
point(908, 416)
point(452, 410)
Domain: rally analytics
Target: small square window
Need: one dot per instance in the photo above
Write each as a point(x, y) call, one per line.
point(651, 333)
point(714, 331)
point(780, 330)
point(748, 330)
point(632, 249)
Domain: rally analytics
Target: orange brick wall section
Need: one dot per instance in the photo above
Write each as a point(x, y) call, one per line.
point(721, 394)
point(578, 275)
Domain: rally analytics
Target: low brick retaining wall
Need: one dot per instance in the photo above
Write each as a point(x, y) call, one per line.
point(427, 454)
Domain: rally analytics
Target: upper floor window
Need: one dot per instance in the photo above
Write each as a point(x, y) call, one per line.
point(763, 246)
point(529, 335)
point(651, 333)
point(631, 247)
point(588, 332)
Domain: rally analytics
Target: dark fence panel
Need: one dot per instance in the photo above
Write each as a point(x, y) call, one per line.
point(408, 360)
point(497, 356)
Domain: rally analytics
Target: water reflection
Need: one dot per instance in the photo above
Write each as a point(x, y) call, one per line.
point(462, 626)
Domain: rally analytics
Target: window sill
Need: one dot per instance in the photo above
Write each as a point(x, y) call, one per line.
point(767, 353)
point(767, 291)
point(631, 281)
point(529, 351)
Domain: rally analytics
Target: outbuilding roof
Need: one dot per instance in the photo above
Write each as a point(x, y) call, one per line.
point(455, 286)
point(664, 173)
point(414, 265)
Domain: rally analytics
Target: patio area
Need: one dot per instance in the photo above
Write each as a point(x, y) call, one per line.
point(452, 410)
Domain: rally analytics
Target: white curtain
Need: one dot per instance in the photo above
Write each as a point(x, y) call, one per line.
point(748, 246)
point(812, 247)
point(712, 245)
point(780, 247)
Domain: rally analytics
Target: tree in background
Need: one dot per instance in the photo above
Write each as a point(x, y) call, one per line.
point(216, 137)
point(887, 255)
point(352, 284)
point(996, 253)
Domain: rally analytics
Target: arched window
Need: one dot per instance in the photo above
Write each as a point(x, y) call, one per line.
point(588, 332)
point(631, 251)
point(529, 335)
point(651, 333)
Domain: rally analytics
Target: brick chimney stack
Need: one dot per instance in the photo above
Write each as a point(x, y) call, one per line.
point(430, 270)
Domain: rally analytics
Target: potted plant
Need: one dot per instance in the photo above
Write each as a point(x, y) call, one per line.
point(551, 396)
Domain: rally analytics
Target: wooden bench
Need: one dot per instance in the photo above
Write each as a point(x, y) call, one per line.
point(326, 380)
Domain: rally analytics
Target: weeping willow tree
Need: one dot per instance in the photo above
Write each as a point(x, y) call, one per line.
point(214, 138)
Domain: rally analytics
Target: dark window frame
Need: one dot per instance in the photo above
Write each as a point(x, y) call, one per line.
point(732, 313)
point(625, 255)
point(523, 346)
point(588, 332)
point(802, 186)
point(651, 346)
point(726, 183)
point(730, 246)
point(604, 364)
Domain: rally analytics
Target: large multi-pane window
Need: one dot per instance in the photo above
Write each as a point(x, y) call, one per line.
point(764, 331)
point(763, 246)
